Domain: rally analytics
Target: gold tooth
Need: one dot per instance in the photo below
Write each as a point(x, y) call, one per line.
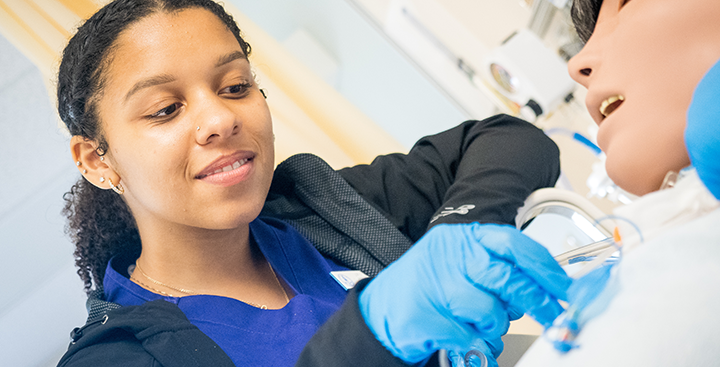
point(606, 103)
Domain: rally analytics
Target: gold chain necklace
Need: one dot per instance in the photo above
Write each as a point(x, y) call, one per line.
point(189, 292)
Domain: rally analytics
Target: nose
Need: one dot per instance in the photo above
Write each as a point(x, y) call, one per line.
point(214, 120)
point(582, 65)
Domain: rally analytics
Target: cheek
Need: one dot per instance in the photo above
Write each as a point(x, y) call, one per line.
point(152, 154)
point(152, 168)
point(262, 131)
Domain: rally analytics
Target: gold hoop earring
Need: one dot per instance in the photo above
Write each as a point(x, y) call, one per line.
point(117, 188)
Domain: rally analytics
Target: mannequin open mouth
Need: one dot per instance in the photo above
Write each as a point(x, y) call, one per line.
point(609, 105)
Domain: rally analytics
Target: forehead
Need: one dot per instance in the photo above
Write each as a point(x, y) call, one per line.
point(169, 43)
point(176, 31)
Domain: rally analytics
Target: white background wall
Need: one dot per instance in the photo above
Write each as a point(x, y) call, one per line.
point(41, 298)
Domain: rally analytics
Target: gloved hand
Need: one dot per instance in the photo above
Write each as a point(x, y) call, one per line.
point(702, 134)
point(459, 283)
point(481, 354)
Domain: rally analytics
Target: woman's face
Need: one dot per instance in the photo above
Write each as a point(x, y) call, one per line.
point(653, 53)
point(189, 132)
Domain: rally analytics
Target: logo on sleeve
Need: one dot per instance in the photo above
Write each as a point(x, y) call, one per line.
point(462, 210)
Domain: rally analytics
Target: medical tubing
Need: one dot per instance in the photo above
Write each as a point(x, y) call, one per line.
point(575, 136)
point(587, 251)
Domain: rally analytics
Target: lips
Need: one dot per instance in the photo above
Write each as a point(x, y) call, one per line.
point(228, 170)
point(233, 166)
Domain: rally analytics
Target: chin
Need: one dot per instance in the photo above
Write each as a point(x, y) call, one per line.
point(635, 180)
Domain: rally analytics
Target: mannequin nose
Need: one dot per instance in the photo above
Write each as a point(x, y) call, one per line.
point(580, 69)
point(586, 62)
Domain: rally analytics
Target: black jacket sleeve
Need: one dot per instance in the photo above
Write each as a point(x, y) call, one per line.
point(487, 167)
point(478, 171)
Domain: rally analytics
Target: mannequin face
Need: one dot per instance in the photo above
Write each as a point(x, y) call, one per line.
point(169, 75)
point(653, 53)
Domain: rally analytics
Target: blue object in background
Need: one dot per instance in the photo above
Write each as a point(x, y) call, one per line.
point(702, 134)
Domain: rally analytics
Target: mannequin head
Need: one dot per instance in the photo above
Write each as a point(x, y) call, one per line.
point(653, 54)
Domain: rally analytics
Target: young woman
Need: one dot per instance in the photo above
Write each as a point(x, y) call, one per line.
point(652, 89)
point(174, 141)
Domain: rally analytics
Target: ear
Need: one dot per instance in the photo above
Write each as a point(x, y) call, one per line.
point(94, 167)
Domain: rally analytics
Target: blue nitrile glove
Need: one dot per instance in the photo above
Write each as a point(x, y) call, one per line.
point(459, 283)
point(481, 354)
point(702, 134)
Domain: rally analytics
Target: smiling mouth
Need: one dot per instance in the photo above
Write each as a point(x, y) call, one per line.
point(230, 167)
point(611, 104)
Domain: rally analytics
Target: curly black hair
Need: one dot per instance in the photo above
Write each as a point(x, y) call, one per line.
point(99, 221)
point(584, 15)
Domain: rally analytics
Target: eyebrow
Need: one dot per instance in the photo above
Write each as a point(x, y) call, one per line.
point(165, 78)
point(222, 60)
point(149, 82)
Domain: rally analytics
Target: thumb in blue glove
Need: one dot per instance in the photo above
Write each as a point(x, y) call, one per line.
point(460, 283)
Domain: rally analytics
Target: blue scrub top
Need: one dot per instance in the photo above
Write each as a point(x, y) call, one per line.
point(249, 335)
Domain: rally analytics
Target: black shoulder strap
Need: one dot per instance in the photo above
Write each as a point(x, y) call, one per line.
point(312, 197)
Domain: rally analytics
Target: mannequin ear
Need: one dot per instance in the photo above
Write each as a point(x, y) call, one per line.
point(94, 167)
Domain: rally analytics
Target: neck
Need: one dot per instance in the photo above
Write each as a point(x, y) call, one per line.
point(194, 257)
point(216, 262)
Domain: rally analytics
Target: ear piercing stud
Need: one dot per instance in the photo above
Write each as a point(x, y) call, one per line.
point(102, 179)
point(198, 128)
point(78, 163)
point(102, 158)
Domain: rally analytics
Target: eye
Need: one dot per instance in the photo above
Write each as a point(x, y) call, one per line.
point(237, 90)
point(167, 111)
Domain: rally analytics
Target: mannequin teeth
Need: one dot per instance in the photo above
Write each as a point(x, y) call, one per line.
point(609, 105)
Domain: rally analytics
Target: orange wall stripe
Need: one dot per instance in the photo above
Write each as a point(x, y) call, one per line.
point(83, 8)
point(49, 19)
point(27, 28)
